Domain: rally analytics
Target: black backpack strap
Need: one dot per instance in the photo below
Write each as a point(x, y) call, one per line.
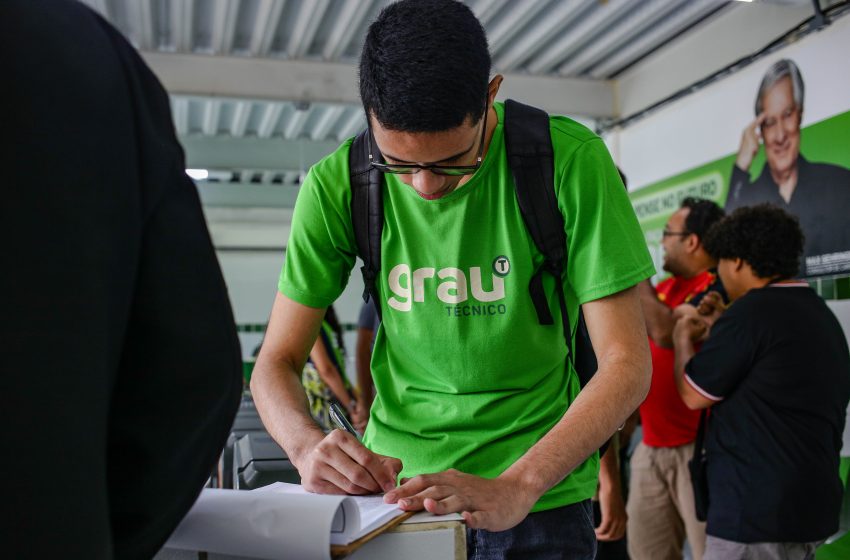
point(528, 144)
point(367, 213)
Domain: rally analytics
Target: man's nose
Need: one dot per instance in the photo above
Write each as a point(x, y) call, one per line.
point(780, 133)
point(427, 182)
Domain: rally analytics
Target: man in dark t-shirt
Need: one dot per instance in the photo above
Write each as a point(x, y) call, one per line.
point(775, 371)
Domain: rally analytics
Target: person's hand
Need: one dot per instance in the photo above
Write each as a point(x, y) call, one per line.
point(750, 142)
point(684, 310)
point(339, 464)
point(689, 329)
point(711, 307)
point(492, 504)
point(359, 416)
point(612, 527)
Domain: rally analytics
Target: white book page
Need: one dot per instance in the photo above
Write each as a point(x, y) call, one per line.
point(372, 512)
point(426, 517)
point(259, 524)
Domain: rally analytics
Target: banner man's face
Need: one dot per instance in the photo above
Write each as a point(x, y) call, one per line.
point(781, 127)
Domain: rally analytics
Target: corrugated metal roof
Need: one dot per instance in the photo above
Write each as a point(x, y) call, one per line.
point(595, 39)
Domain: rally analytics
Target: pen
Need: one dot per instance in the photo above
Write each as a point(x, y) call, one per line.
point(338, 418)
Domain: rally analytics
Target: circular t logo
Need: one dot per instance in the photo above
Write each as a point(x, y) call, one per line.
point(501, 266)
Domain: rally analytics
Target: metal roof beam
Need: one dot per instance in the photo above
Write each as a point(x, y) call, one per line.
point(614, 37)
point(261, 154)
point(142, 23)
point(325, 82)
point(306, 25)
point(326, 121)
point(355, 123)
point(181, 115)
point(247, 195)
point(182, 14)
point(265, 26)
point(347, 23)
point(211, 114)
point(688, 12)
point(224, 25)
point(485, 9)
point(296, 123)
point(522, 13)
point(538, 35)
point(241, 112)
point(269, 120)
point(575, 37)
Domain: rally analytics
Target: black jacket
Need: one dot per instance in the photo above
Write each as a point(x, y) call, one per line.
point(119, 362)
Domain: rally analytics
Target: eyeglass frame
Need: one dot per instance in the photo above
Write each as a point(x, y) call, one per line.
point(667, 233)
point(416, 168)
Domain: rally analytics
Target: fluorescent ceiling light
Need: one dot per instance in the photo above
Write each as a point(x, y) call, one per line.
point(198, 174)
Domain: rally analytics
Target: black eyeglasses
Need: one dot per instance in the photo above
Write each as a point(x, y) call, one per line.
point(668, 233)
point(450, 170)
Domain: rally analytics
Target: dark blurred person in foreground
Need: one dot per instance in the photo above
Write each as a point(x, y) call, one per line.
point(119, 367)
point(775, 371)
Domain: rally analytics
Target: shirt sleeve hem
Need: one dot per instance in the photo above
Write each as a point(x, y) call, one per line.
point(701, 391)
point(304, 298)
point(603, 290)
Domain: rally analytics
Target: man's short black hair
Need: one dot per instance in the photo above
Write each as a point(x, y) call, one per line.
point(425, 66)
point(766, 237)
point(703, 214)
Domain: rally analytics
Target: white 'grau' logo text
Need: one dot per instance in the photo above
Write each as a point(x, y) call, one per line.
point(453, 285)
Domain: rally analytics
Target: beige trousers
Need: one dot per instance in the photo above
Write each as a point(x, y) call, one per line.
point(661, 505)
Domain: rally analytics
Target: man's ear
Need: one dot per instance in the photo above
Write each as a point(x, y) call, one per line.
point(493, 89)
point(692, 243)
point(739, 264)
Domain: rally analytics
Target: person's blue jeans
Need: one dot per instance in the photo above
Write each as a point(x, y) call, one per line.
point(562, 533)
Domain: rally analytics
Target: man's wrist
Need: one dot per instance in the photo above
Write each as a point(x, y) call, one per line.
point(529, 485)
point(682, 338)
point(300, 446)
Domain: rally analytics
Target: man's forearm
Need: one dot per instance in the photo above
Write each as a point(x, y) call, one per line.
point(609, 467)
point(601, 407)
point(283, 406)
point(684, 352)
point(364, 369)
point(658, 317)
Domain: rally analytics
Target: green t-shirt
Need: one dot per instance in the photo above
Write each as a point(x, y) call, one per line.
point(465, 376)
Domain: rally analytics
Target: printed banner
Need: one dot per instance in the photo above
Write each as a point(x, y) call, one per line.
point(804, 171)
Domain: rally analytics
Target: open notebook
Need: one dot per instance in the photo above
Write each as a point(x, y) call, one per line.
point(282, 521)
point(356, 516)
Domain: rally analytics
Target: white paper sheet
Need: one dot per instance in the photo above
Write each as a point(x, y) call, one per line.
point(259, 524)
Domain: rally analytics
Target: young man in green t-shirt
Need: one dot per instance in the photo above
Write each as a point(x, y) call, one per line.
point(477, 407)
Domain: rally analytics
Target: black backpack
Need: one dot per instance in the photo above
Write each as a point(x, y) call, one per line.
point(530, 157)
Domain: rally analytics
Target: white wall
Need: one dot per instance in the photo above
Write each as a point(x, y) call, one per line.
point(707, 125)
point(251, 278)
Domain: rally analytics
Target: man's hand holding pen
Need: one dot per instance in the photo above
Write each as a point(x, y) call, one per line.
point(340, 464)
